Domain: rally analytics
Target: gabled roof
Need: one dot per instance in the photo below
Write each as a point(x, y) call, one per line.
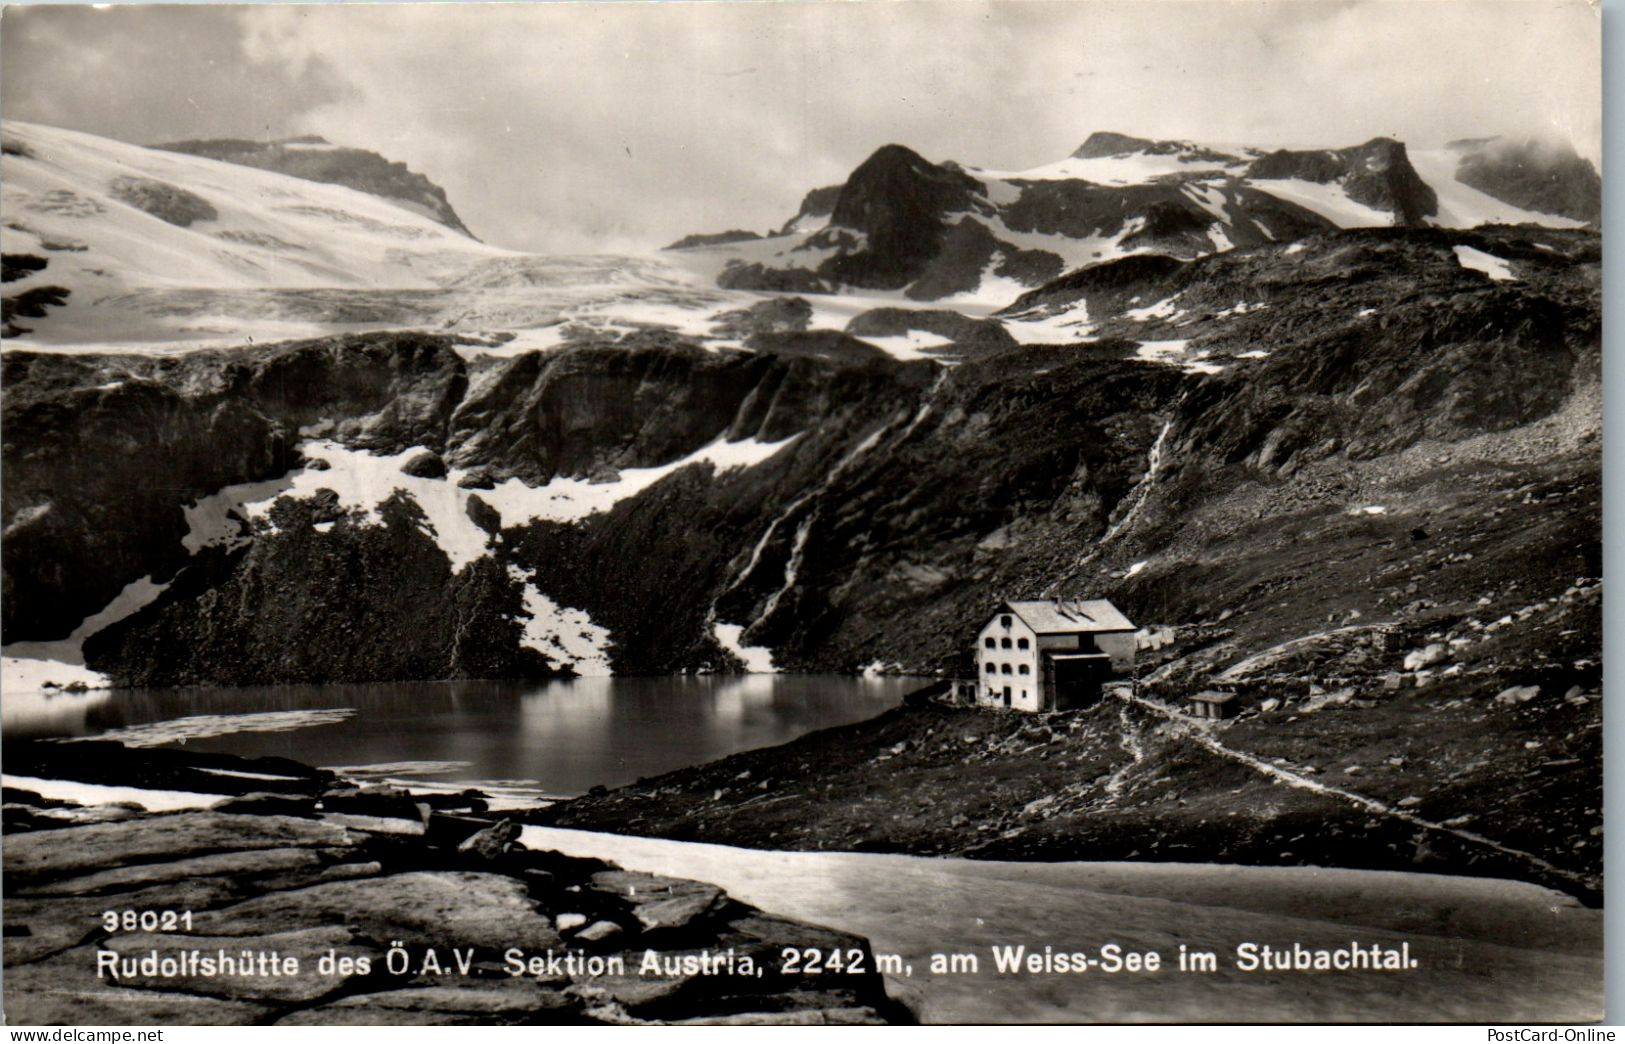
point(1067, 617)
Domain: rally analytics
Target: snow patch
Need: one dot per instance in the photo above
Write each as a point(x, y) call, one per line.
point(1478, 261)
point(1131, 168)
point(910, 345)
point(37, 666)
point(249, 775)
point(1136, 569)
point(364, 480)
point(1328, 200)
point(757, 659)
point(563, 633)
point(878, 668)
point(573, 499)
point(994, 291)
point(1161, 351)
point(88, 794)
point(1163, 309)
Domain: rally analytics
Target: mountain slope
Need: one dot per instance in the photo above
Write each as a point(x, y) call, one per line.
point(952, 233)
point(837, 506)
point(316, 159)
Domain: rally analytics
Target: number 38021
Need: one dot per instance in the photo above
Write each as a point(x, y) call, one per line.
point(146, 920)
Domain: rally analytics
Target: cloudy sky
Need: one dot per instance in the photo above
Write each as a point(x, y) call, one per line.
point(593, 126)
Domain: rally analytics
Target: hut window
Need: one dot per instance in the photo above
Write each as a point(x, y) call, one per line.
point(990, 668)
point(1005, 642)
point(990, 643)
point(1021, 643)
point(1023, 669)
point(1004, 621)
point(1004, 668)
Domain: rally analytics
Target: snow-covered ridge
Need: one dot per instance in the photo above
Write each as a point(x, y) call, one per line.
point(1179, 183)
point(267, 229)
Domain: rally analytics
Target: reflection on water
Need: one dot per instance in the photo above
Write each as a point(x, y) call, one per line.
point(26, 715)
point(567, 735)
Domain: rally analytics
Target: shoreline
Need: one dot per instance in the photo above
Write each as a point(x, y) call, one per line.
point(1497, 949)
point(927, 779)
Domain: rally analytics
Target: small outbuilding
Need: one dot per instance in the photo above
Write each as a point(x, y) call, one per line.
point(1051, 655)
point(1212, 704)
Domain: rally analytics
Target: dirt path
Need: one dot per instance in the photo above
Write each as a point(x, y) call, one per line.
point(1201, 733)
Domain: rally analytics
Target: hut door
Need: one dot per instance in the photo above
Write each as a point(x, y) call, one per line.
point(1007, 695)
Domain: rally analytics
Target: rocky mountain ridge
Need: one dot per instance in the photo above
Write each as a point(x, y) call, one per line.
point(840, 507)
point(944, 231)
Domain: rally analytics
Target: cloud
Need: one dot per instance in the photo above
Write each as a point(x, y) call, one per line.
point(151, 74)
point(570, 127)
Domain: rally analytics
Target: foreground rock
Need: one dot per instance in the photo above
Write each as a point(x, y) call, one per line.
point(210, 917)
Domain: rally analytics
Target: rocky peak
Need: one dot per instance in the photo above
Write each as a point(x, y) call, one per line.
point(1110, 143)
point(898, 200)
point(313, 158)
point(1378, 174)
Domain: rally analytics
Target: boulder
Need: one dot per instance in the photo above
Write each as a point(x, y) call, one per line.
point(452, 908)
point(492, 843)
point(599, 931)
point(246, 866)
point(351, 871)
point(1517, 694)
point(660, 903)
point(477, 478)
point(47, 855)
point(1427, 656)
point(426, 464)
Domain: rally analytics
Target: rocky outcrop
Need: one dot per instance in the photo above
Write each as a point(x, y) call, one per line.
point(314, 159)
point(970, 336)
point(85, 434)
point(163, 201)
point(702, 239)
point(1110, 143)
point(1378, 174)
point(816, 208)
point(397, 921)
point(29, 304)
